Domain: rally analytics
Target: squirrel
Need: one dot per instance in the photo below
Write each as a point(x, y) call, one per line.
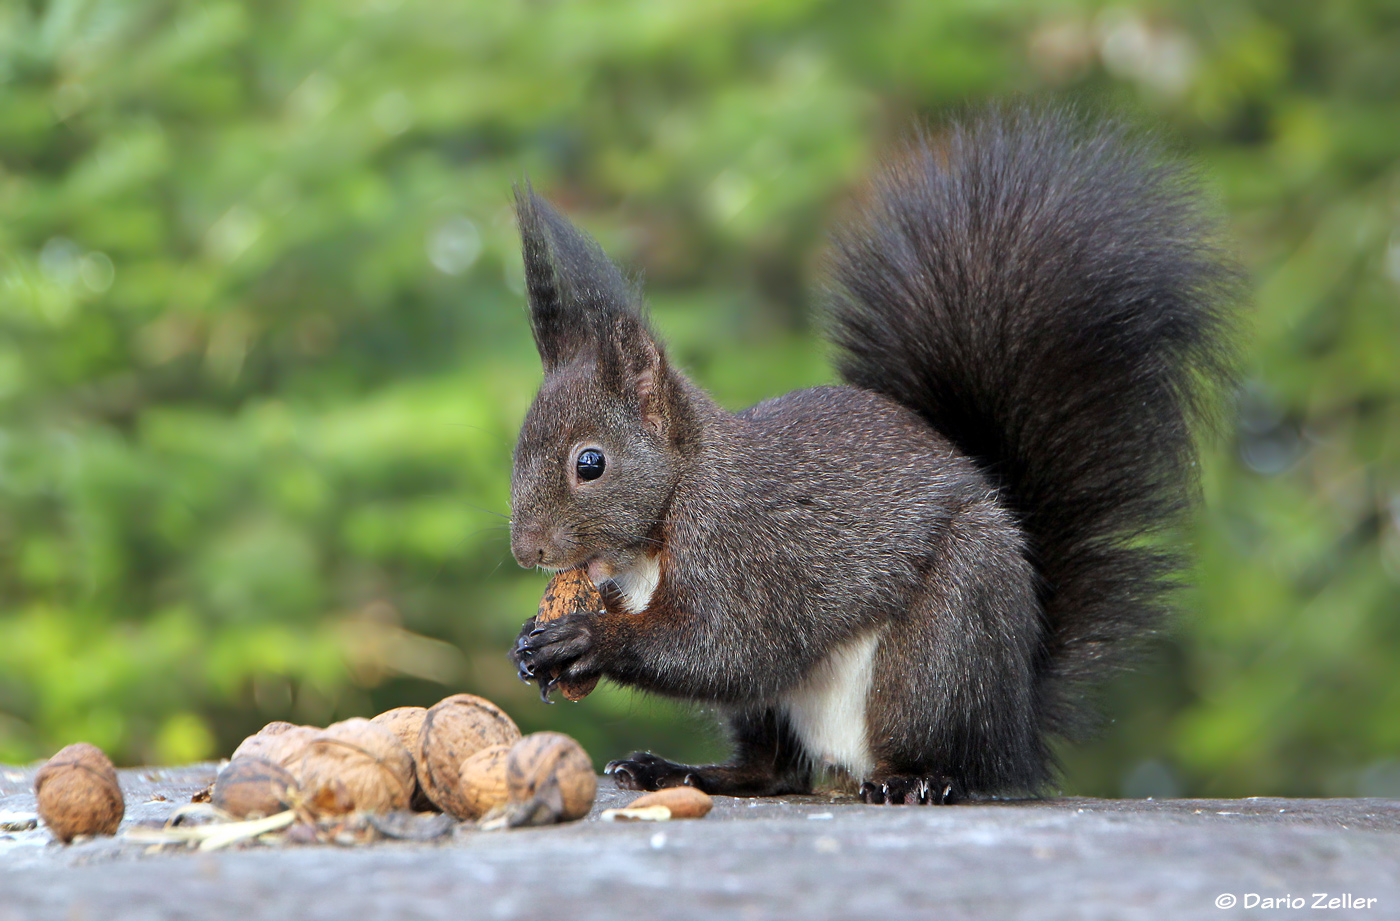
point(909, 579)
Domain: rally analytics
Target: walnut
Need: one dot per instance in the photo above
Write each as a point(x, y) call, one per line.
point(278, 743)
point(453, 730)
point(79, 794)
point(250, 788)
point(406, 722)
point(354, 766)
point(483, 780)
point(549, 778)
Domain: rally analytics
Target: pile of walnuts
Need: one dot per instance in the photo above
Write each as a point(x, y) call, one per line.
point(463, 756)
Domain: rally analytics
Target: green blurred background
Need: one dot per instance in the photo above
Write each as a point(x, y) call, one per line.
point(263, 350)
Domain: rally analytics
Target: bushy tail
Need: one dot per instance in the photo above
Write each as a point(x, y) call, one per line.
point(1050, 295)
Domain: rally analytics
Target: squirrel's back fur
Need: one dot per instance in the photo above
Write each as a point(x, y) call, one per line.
point(1050, 295)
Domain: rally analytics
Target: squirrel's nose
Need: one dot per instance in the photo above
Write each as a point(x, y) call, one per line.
point(527, 545)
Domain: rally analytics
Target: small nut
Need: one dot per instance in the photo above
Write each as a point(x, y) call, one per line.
point(684, 802)
point(354, 766)
point(406, 722)
point(570, 592)
point(277, 743)
point(483, 780)
point(549, 778)
point(454, 729)
point(79, 794)
point(249, 788)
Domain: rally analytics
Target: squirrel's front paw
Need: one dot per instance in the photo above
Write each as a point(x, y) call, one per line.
point(559, 650)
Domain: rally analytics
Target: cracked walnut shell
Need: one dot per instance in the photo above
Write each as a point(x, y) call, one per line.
point(354, 766)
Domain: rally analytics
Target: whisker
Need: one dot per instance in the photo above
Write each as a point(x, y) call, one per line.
point(486, 510)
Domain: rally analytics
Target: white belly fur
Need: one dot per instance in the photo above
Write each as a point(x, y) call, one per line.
point(827, 710)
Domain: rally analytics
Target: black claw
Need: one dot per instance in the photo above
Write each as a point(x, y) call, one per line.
point(543, 653)
point(872, 793)
point(911, 791)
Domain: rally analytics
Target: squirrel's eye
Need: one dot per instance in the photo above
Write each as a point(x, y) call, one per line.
point(590, 464)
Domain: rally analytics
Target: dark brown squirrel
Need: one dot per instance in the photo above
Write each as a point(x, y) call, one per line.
point(910, 578)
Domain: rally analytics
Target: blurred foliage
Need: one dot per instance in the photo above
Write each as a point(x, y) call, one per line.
point(262, 349)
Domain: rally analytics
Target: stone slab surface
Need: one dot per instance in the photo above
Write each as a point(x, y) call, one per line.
point(791, 857)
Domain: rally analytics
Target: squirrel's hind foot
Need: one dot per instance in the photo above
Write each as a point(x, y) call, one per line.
point(905, 790)
point(645, 771)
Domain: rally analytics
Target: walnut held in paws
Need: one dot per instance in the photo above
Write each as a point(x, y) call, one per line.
point(454, 729)
point(78, 793)
point(249, 788)
point(570, 592)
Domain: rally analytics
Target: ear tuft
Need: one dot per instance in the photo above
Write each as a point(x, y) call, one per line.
point(542, 286)
point(574, 290)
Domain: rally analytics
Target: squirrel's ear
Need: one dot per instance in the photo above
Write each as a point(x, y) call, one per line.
point(633, 365)
point(572, 286)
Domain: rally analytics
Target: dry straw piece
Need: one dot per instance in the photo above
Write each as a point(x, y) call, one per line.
point(355, 766)
point(249, 788)
point(570, 592)
point(483, 780)
point(454, 729)
point(550, 779)
point(79, 794)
